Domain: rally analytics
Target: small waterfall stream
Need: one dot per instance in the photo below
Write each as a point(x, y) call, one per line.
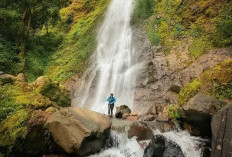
point(123, 147)
point(114, 65)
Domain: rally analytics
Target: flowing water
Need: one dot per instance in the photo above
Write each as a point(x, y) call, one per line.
point(114, 65)
point(123, 147)
point(113, 69)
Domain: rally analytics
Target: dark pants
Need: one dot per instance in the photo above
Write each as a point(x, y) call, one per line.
point(110, 109)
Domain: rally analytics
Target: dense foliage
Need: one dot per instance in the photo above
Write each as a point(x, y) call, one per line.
point(205, 24)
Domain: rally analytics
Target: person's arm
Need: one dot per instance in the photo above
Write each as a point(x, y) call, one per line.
point(108, 99)
point(114, 100)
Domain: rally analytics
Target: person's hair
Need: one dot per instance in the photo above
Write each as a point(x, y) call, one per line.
point(111, 94)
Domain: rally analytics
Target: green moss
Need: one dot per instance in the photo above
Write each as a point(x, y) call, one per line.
point(38, 54)
point(173, 112)
point(72, 56)
point(215, 82)
point(57, 94)
point(14, 127)
point(218, 80)
point(20, 95)
point(188, 91)
point(198, 47)
point(152, 32)
point(1, 155)
point(222, 36)
point(178, 21)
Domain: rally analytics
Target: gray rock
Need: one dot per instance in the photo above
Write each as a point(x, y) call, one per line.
point(198, 112)
point(162, 147)
point(122, 111)
point(222, 132)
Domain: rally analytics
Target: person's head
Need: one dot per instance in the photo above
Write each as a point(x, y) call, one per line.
point(111, 94)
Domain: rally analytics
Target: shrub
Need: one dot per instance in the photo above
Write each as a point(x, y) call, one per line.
point(14, 127)
point(9, 60)
point(223, 34)
point(153, 34)
point(142, 10)
point(188, 91)
point(215, 82)
point(198, 47)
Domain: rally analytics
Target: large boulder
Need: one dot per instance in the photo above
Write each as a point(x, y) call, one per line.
point(140, 130)
point(78, 130)
point(122, 111)
point(53, 90)
point(162, 147)
point(198, 112)
point(222, 132)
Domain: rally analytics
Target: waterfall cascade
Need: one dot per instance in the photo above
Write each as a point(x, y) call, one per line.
point(123, 147)
point(114, 65)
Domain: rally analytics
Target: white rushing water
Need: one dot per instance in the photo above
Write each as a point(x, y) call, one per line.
point(123, 147)
point(114, 65)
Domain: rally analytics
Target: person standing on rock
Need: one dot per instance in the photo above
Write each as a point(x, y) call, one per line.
point(111, 99)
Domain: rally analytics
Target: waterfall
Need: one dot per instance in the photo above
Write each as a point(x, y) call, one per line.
point(114, 64)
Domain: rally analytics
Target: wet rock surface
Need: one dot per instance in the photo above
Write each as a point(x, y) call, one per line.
point(162, 147)
point(122, 111)
point(222, 132)
point(198, 112)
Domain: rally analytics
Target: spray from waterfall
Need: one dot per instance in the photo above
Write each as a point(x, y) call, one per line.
point(114, 65)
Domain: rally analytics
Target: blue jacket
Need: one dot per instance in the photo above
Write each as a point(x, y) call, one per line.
point(111, 100)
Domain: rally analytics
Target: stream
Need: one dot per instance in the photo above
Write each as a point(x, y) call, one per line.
point(123, 147)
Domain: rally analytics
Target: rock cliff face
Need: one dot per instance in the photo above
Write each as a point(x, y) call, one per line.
point(164, 75)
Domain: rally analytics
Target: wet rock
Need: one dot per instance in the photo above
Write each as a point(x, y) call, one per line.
point(162, 147)
point(132, 118)
point(152, 110)
point(222, 132)
point(198, 112)
point(78, 130)
point(147, 117)
point(162, 118)
point(176, 87)
point(122, 111)
point(142, 132)
point(120, 125)
point(133, 113)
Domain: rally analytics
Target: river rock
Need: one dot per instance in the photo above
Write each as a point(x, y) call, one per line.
point(78, 130)
point(222, 132)
point(122, 111)
point(162, 147)
point(147, 117)
point(141, 131)
point(198, 112)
